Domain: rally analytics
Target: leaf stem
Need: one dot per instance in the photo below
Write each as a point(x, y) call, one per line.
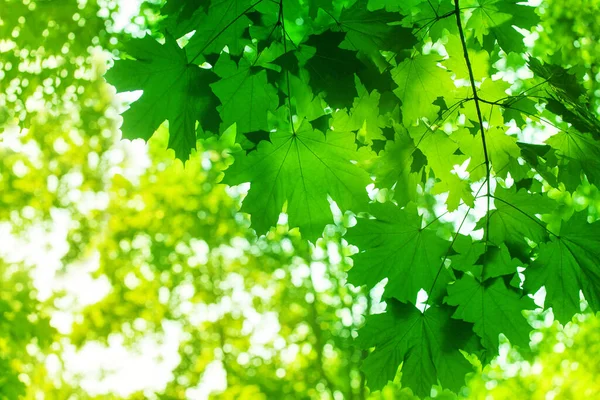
point(432, 8)
point(478, 109)
point(508, 106)
point(287, 73)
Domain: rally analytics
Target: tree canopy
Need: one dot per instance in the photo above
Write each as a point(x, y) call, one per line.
point(442, 153)
point(328, 98)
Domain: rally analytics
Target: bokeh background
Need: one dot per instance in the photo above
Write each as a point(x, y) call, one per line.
point(124, 275)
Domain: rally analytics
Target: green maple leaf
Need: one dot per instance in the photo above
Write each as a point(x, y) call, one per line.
point(577, 113)
point(224, 24)
point(426, 14)
point(502, 150)
point(480, 60)
point(182, 16)
point(184, 9)
point(561, 80)
point(372, 32)
point(519, 109)
point(394, 246)
point(493, 20)
point(394, 167)
point(482, 261)
point(364, 116)
point(538, 157)
point(420, 82)
point(441, 153)
point(246, 96)
point(315, 5)
point(567, 264)
point(494, 307)
point(391, 5)
point(496, 261)
point(418, 341)
point(174, 90)
point(580, 150)
point(305, 102)
point(300, 169)
point(466, 254)
point(332, 69)
point(514, 219)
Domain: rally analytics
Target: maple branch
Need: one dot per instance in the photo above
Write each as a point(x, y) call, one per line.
point(478, 109)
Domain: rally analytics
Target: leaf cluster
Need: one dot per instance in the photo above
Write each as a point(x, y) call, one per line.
point(325, 99)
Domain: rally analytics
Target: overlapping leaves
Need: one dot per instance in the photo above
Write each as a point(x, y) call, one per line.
point(328, 98)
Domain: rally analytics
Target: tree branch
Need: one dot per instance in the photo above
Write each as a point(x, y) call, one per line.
point(478, 108)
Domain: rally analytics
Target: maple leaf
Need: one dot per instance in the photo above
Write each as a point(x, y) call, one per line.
point(395, 246)
point(394, 167)
point(393, 5)
point(300, 169)
point(316, 5)
point(430, 16)
point(480, 60)
point(496, 261)
point(363, 117)
point(494, 307)
point(567, 264)
point(246, 96)
point(561, 80)
point(223, 24)
point(514, 219)
point(372, 32)
point(502, 151)
point(174, 90)
point(184, 9)
point(580, 150)
point(418, 341)
point(442, 156)
point(482, 260)
point(332, 69)
point(420, 82)
point(493, 20)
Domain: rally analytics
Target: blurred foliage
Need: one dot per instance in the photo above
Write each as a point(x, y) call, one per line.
point(54, 119)
point(273, 313)
point(571, 35)
point(563, 365)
